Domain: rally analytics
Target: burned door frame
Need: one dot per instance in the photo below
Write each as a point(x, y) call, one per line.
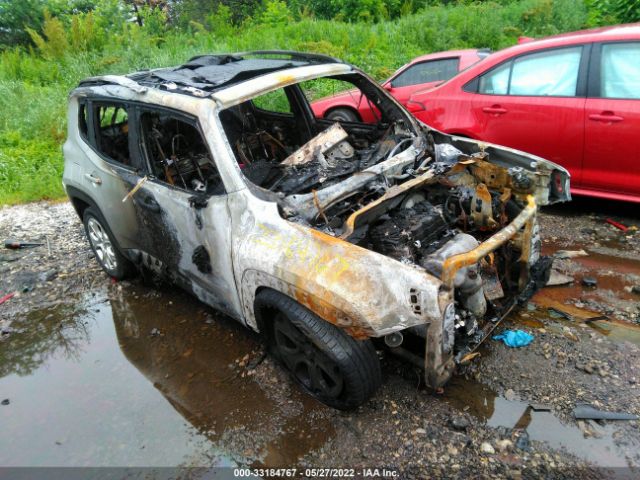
point(111, 179)
point(185, 235)
point(298, 112)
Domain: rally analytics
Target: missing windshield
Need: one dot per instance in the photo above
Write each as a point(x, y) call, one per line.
point(287, 141)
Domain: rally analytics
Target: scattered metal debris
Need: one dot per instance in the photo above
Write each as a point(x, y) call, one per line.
point(559, 313)
point(618, 225)
point(585, 411)
point(15, 244)
point(7, 297)
point(468, 357)
point(557, 278)
point(562, 254)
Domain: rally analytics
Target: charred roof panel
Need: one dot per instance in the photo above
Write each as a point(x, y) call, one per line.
point(209, 73)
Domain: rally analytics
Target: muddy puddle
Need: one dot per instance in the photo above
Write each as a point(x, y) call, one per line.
point(483, 403)
point(610, 308)
point(132, 377)
point(553, 309)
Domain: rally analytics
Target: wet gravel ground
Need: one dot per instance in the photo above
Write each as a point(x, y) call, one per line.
point(406, 428)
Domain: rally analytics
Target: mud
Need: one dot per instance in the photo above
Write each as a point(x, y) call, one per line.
point(125, 374)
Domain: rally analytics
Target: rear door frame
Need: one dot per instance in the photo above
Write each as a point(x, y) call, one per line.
point(113, 179)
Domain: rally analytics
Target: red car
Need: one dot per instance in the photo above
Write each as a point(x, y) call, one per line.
point(421, 73)
point(573, 99)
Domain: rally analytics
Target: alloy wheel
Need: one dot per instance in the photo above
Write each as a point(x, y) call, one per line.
point(101, 244)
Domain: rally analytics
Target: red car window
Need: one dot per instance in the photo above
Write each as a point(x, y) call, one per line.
point(551, 73)
point(496, 82)
point(620, 70)
point(424, 72)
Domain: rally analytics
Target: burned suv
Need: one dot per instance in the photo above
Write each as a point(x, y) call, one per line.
point(329, 238)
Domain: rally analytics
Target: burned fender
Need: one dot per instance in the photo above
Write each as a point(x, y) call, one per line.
point(344, 284)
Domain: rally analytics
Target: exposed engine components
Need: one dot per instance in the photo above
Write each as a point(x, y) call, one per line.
point(405, 233)
point(324, 143)
point(482, 208)
point(468, 280)
point(421, 204)
point(519, 178)
point(394, 339)
point(448, 328)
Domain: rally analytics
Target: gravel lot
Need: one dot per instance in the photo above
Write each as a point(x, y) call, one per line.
point(481, 426)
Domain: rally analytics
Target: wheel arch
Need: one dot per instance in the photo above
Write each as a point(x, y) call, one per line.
point(254, 282)
point(81, 201)
point(261, 312)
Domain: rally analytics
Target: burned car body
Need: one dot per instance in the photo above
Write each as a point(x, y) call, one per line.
point(216, 175)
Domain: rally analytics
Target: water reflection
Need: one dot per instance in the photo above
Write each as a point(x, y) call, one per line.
point(57, 330)
point(193, 358)
point(132, 378)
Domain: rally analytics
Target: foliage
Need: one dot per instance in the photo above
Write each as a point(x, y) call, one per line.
point(17, 16)
point(220, 22)
point(55, 43)
point(276, 12)
point(35, 81)
point(606, 12)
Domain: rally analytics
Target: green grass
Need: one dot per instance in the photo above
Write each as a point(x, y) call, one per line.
point(34, 84)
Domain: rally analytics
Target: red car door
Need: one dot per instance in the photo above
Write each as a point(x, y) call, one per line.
point(612, 120)
point(535, 103)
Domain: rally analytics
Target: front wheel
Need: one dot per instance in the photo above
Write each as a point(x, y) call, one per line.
point(338, 370)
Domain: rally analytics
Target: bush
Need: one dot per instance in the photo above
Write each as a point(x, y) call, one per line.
point(607, 12)
point(275, 13)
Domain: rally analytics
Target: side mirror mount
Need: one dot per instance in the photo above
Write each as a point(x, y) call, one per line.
point(388, 86)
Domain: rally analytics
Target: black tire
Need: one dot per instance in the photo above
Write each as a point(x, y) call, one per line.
point(331, 366)
point(104, 246)
point(342, 115)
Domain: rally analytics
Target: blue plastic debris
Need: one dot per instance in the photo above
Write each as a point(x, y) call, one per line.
point(515, 338)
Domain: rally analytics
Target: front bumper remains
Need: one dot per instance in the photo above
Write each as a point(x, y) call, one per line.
point(440, 361)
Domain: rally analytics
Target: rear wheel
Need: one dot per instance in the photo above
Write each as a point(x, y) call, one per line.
point(342, 115)
point(329, 364)
point(104, 246)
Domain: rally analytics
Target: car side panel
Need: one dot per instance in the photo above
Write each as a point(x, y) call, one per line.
point(612, 147)
point(344, 284)
point(402, 94)
point(612, 124)
point(448, 111)
point(549, 127)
